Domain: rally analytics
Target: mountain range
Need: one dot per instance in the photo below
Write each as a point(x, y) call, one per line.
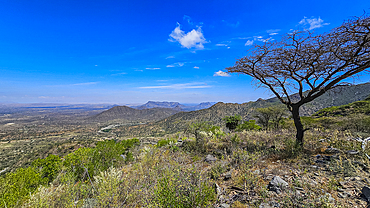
point(176, 105)
point(179, 121)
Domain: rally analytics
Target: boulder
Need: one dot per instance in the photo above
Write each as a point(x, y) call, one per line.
point(277, 184)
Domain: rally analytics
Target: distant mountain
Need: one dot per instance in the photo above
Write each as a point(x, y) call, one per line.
point(178, 106)
point(179, 121)
point(127, 114)
point(153, 104)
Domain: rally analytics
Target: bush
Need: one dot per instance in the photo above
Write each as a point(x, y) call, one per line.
point(183, 189)
point(49, 167)
point(232, 121)
point(248, 126)
point(17, 186)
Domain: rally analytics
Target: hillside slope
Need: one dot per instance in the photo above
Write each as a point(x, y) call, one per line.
point(214, 114)
point(127, 114)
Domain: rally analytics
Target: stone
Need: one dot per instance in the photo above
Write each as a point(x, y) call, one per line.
point(210, 159)
point(352, 152)
point(227, 176)
point(218, 189)
point(224, 205)
point(277, 184)
point(366, 193)
point(265, 205)
point(256, 172)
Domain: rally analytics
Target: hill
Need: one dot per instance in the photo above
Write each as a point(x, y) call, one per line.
point(214, 114)
point(127, 114)
point(358, 107)
point(154, 104)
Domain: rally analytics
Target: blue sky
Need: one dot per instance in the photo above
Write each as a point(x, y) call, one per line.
point(133, 51)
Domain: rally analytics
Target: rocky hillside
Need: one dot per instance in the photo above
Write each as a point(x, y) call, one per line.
point(127, 114)
point(176, 105)
point(214, 114)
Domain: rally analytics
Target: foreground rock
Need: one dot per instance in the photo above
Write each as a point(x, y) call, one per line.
point(277, 184)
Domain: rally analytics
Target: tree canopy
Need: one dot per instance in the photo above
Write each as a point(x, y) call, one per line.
point(308, 64)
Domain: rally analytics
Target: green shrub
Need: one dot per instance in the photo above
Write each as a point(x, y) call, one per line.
point(49, 167)
point(183, 189)
point(232, 121)
point(16, 187)
point(164, 142)
point(248, 126)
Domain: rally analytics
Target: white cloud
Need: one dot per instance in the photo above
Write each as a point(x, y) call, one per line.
point(170, 57)
point(178, 64)
point(178, 86)
point(313, 22)
point(273, 34)
point(249, 42)
point(196, 67)
point(221, 44)
point(221, 74)
point(152, 68)
point(188, 40)
point(273, 31)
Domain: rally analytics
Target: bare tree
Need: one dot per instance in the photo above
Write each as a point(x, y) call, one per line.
point(308, 64)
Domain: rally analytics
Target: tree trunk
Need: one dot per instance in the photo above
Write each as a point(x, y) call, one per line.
point(298, 125)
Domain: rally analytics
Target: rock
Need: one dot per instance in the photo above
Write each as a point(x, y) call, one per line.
point(366, 193)
point(210, 159)
point(256, 172)
point(352, 152)
point(218, 190)
point(227, 176)
point(332, 150)
point(224, 205)
point(277, 184)
point(265, 205)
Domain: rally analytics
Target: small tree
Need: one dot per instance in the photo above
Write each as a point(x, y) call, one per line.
point(271, 115)
point(232, 121)
point(301, 62)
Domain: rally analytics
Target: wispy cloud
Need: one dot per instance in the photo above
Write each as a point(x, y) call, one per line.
point(178, 64)
point(312, 22)
point(170, 57)
point(188, 19)
point(152, 68)
point(249, 42)
point(179, 86)
point(221, 74)
point(86, 83)
point(231, 24)
point(117, 74)
point(262, 39)
point(196, 67)
point(192, 39)
point(273, 31)
point(221, 44)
